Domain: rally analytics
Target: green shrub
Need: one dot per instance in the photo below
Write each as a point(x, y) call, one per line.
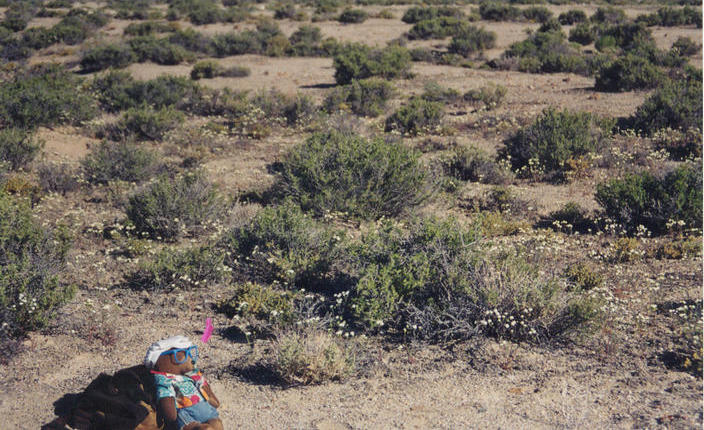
point(31, 261)
point(300, 110)
point(58, 178)
point(494, 11)
point(417, 13)
point(547, 52)
point(418, 116)
point(250, 300)
point(117, 90)
point(608, 15)
point(583, 277)
point(671, 17)
point(357, 61)
point(194, 267)
point(122, 161)
point(473, 164)
point(491, 95)
point(340, 172)
point(306, 41)
point(160, 51)
point(434, 92)
point(206, 69)
point(106, 56)
point(583, 33)
point(437, 28)
point(627, 73)
point(353, 16)
point(18, 15)
point(191, 40)
point(572, 16)
point(685, 46)
point(147, 123)
point(18, 147)
point(679, 144)
point(641, 199)
point(554, 138)
point(676, 105)
point(570, 218)
point(537, 14)
point(282, 244)
point(45, 95)
point(147, 28)
point(365, 97)
point(170, 208)
point(471, 40)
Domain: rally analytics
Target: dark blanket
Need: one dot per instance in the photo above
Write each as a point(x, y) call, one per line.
point(123, 401)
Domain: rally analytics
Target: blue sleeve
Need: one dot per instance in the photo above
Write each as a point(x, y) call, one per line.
point(164, 387)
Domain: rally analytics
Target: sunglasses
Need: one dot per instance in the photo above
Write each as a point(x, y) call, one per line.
point(182, 354)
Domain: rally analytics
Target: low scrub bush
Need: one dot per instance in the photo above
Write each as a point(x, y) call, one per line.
point(195, 267)
point(418, 13)
point(471, 40)
point(437, 28)
point(679, 144)
point(554, 138)
point(206, 69)
point(494, 11)
point(160, 51)
point(491, 96)
point(18, 147)
point(537, 14)
point(117, 90)
point(147, 123)
point(191, 40)
point(58, 178)
point(676, 105)
point(418, 116)
point(44, 95)
point(353, 16)
point(434, 92)
point(31, 261)
point(642, 199)
point(148, 28)
point(686, 46)
point(608, 15)
point(123, 161)
point(571, 218)
point(546, 52)
point(583, 277)
point(307, 41)
point(366, 97)
point(284, 245)
point(106, 56)
point(170, 208)
point(627, 73)
point(672, 17)
point(340, 172)
point(310, 357)
point(572, 16)
point(356, 61)
point(473, 164)
point(583, 33)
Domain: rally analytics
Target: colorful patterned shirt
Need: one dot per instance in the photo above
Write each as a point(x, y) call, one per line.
point(183, 388)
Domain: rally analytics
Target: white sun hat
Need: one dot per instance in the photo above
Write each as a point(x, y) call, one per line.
point(159, 347)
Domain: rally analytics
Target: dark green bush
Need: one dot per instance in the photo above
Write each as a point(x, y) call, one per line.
point(357, 61)
point(537, 14)
point(173, 207)
point(18, 147)
point(160, 51)
point(353, 16)
point(583, 33)
point(494, 11)
point(473, 164)
point(627, 73)
point(471, 40)
point(31, 262)
point(679, 144)
point(195, 267)
point(554, 138)
point(686, 46)
point(124, 161)
point(571, 217)
point(608, 15)
point(191, 40)
point(147, 123)
point(417, 13)
point(44, 95)
point(676, 105)
point(18, 15)
point(106, 56)
point(283, 244)
point(340, 172)
point(671, 17)
point(205, 69)
point(366, 97)
point(147, 28)
point(434, 92)
point(547, 52)
point(644, 199)
point(306, 41)
point(572, 16)
point(418, 116)
point(437, 28)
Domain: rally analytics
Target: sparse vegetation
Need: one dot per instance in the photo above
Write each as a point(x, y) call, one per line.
point(418, 116)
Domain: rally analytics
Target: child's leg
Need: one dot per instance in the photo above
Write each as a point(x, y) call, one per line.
point(215, 424)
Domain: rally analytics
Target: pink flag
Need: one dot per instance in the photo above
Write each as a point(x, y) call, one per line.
point(208, 330)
